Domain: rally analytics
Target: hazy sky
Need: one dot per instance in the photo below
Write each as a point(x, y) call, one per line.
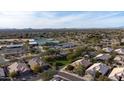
point(39, 19)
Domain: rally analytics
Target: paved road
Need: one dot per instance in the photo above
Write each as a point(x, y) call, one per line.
point(69, 77)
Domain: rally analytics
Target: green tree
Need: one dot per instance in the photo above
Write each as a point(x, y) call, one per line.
point(97, 74)
point(75, 54)
point(47, 75)
point(52, 51)
point(34, 51)
point(26, 46)
point(48, 58)
point(71, 57)
point(103, 78)
point(45, 47)
point(36, 69)
point(78, 51)
point(70, 68)
point(13, 74)
point(80, 70)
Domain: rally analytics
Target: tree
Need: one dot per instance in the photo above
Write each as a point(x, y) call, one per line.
point(52, 51)
point(80, 70)
point(71, 57)
point(75, 54)
point(48, 58)
point(13, 74)
point(70, 68)
point(103, 78)
point(97, 74)
point(26, 46)
point(47, 75)
point(45, 47)
point(70, 50)
point(26, 35)
point(78, 51)
point(36, 69)
point(34, 51)
point(113, 54)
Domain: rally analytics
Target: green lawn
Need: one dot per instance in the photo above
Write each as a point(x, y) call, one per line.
point(64, 62)
point(60, 63)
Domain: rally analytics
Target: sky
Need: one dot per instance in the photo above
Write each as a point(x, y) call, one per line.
point(39, 19)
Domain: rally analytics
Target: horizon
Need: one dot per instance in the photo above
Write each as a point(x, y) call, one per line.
point(61, 20)
point(57, 28)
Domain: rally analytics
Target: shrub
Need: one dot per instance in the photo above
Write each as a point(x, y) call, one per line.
point(97, 74)
point(80, 70)
point(13, 74)
point(36, 69)
point(47, 75)
point(48, 58)
point(70, 68)
point(103, 78)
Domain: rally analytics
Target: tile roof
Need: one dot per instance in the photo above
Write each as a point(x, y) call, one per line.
point(83, 62)
point(17, 66)
point(102, 68)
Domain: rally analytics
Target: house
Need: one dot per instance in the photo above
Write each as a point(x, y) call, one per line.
point(119, 59)
point(117, 74)
point(107, 49)
point(122, 40)
point(68, 45)
point(105, 42)
point(103, 56)
point(2, 73)
point(32, 42)
point(115, 42)
point(18, 67)
point(14, 46)
point(98, 48)
point(92, 54)
point(119, 51)
point(85, 63)
point(13, 49)
point(35, 62)
point(100, 67)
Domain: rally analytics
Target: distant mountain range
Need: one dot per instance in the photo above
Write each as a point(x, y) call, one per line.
point(58, 29)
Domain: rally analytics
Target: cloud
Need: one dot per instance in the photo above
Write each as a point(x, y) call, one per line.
point(37, 19)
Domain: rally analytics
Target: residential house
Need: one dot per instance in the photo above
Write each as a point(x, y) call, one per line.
point(119, 59)
point(122, 40)
point(107, 49)
point(105, 42)
point(85, 63)
point(19, 67)
point(115, 42)
point(100, 67)
point(68, 45)
point(103, 56)
point(117, 74)
point(98, 48)
point(119, 51)
point(32, 42)
point(35, 62)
